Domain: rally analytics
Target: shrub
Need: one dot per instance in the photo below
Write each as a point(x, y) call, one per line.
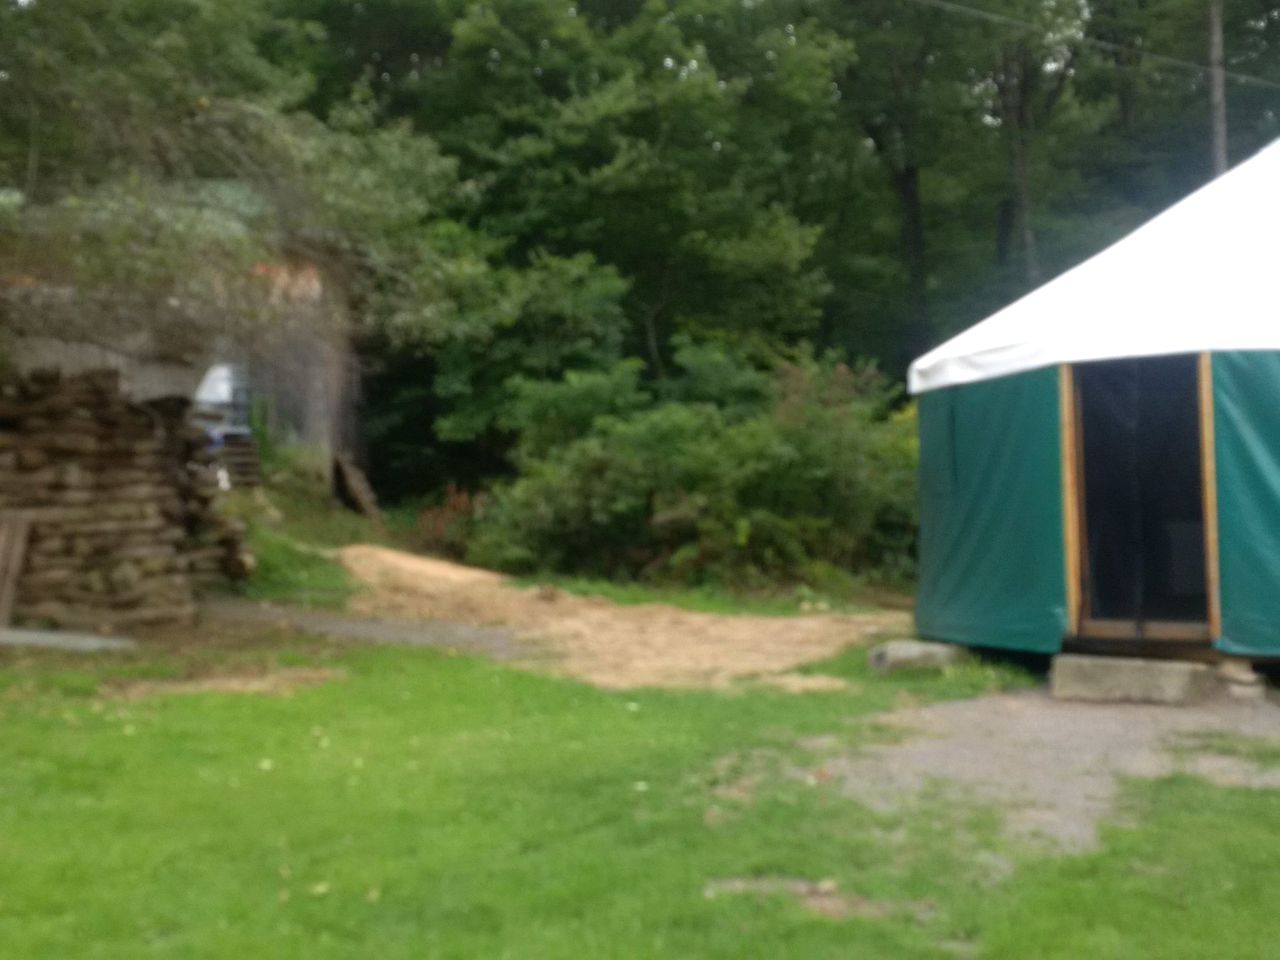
point(445, 527)
point(820, 476)
point(586, 507)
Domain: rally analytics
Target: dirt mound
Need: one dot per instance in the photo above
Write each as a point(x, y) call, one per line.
point(603, 643)
point(822, 897)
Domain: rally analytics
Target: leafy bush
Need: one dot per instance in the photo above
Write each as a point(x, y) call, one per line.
point(800, 475)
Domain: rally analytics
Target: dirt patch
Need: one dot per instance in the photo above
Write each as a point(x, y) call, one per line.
point(275, 683)
point(822, 897)
point(737, 776)
point(603, 643)
point(1052, 768)
point(805, 683)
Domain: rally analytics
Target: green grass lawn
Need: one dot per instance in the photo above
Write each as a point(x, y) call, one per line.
point(292, 572)
point(294, 525)
point(434, 806)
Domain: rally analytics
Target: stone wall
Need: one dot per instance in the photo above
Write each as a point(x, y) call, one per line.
point(123, 527)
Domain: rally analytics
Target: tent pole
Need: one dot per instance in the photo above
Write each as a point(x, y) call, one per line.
point(1070, 494)
point(1209, 485)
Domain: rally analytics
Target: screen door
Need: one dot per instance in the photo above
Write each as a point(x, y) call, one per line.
point(1142, 495)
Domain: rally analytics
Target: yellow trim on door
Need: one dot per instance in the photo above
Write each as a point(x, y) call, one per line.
point(1070, 495)
point(1209, 483)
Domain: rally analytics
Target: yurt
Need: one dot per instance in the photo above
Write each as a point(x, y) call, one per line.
point(1100, 460)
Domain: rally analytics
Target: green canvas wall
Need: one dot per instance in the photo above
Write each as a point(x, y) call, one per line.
point(1246, 388)
point(992, 567)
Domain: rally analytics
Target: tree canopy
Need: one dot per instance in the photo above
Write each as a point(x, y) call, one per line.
point(509, 193)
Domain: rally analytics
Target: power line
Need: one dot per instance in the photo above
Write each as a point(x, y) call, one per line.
point(977, 13)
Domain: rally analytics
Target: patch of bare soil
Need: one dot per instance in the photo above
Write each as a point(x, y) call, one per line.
point(804, 683)
point(277, 683)
point(1051, 768)
point(822, 897)
point(603, 643)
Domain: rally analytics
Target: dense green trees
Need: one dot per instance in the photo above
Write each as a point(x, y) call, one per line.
point(540, 213)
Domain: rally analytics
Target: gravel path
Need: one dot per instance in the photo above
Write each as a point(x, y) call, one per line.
point(1052, 767)
point(495, 642)
point(65, 642)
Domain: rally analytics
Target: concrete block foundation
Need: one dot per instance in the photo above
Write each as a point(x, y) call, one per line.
point(1131, 680)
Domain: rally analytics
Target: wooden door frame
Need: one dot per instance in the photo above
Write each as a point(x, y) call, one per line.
point(1072, 496)
point(1075, 537)
point(1209, 490)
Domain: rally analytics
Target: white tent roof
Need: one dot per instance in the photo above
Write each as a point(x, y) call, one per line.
point(1203, 275)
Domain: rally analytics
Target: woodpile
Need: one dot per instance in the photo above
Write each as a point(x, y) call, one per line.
point(120, 502)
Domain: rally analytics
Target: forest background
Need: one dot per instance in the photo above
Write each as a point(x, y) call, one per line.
point(633, 283)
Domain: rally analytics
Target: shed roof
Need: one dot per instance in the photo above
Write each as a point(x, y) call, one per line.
point(1203, 275)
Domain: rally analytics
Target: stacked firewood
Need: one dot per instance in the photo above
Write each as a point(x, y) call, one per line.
point(120, 501)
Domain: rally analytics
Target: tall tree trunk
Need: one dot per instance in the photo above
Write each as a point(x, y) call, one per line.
point(33, 151)
point(1022, 208)
point(915, 258)
point(1218, 88)
point(1016, 92)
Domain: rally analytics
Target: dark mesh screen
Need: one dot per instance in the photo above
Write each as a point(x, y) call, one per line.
point(1142, 489)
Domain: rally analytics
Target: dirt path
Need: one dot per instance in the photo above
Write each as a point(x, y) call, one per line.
point(1053, 768)
point(601, 642)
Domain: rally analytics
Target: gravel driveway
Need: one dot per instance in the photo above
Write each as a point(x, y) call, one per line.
point(1053, 768)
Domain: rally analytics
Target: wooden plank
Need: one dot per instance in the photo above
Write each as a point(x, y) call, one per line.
point(1146, 631)
point(239, 456)
point(1209, 481)
point(1194, 650)
point(1096, 629)
point(1176, 630)
point(1070, 496)
point(15, 530)
point(353, 487)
